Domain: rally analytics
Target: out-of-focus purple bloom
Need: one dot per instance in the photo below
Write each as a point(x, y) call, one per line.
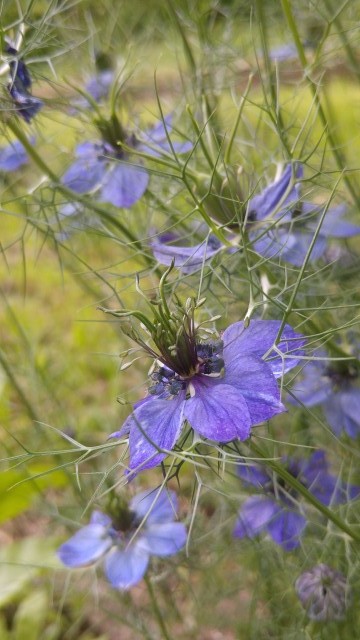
point(20, 87)
point(334, 386)
point(99, 85)
point(156, 141)
point(221, 388)
point(324, 593)
point(283, 52)
point(279, 224)
point(108, 170)
point(282, 226)
point(12, 156)
point(277, 511)
point(102, 168)
point(145, 529)
point(187, 259)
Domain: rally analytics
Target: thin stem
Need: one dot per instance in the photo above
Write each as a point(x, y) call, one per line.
point(227, 156)
point(300, 488)
point(340, 160)
point(16, 385)
point(299, 280)
point(157, 612)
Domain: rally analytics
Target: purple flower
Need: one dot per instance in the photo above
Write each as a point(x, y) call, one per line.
point(188, 259)
point(281, 225)
point(145, 529)
point(277, 511)
point(221, 388)
point(155, 141)
point(283, 52)
point(105, 167)
point(324, 593)
point(334, 386)
point(98, 86)
point(20, 87)
point(12, 156)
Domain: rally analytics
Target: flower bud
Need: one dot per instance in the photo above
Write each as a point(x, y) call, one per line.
point(324, 593)
point(221, 198)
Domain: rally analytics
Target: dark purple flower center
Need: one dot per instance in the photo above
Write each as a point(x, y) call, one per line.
point(283, 490)
point(209, 356)
point(167, 383)
point(279, 489)
point(213, 242)
point(341, 378)
point(114, 138)
point(124, 525)
point(209, 362)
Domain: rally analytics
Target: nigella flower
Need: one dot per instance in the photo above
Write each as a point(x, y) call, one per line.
point(19, 87)
point(187, 259)
point(277, 510)
point(283, 52)
point(99, 85)
point(12, 156)
point(146, 528)
point(324, 593)
point(281, 225)
point(221, 388)
point(335, 386)
point(106, 167)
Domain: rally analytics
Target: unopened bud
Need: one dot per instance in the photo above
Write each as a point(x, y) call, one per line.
point(324, 593)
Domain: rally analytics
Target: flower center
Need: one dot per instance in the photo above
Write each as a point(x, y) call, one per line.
point(167, 383)
point(341, 378)
point(209, 362)
point(124, 526)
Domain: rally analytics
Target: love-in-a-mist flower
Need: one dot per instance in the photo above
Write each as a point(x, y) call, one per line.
point(283, 52)
point(19, 87)
point(279, 225)
point(107, 168)
point(282, 226)
point(12, 156)
point(324, 593)
point(277, 510)
point(220, 387)
point(125, 544)
point(334, 385)
point(189, 258)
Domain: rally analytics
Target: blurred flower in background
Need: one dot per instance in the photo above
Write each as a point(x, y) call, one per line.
point(13, 156)
point(324, 593)
point(146, 528)
point(19, 87)
point(107, 168)
point(277, 510)
point(334, 385)
point(281, 225)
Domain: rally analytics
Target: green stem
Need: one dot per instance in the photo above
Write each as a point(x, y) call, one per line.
point(299, 280)
point(157, 612)
point(271, 76)
point(21, 393)
point(300, 488)
point(343, 37)
point(340, 160)
point(227, 156)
